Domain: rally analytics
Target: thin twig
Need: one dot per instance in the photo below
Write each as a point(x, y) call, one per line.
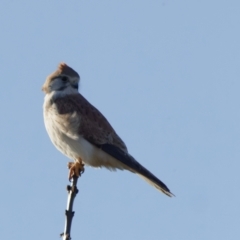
point(69, 213)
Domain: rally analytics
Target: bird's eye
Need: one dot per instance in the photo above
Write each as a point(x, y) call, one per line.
point(64, 78)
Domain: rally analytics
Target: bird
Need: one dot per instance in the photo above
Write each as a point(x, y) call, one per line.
point(81, 132)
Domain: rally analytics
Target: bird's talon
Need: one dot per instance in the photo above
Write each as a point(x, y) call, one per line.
point(75, 169)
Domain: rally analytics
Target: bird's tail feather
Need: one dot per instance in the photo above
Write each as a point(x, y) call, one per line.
point(134, 166)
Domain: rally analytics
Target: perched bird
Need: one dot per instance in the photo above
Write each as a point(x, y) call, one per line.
point(82, 133)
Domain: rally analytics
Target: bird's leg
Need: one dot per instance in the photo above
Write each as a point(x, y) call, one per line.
point(75, 168)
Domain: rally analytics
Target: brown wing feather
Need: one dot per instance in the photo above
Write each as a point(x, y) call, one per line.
point(93, 126)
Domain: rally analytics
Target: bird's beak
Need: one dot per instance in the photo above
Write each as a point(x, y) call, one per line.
point(75, 85)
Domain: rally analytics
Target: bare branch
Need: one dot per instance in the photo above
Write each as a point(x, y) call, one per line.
point(69, 213)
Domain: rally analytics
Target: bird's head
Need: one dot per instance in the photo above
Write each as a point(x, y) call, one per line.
point(63, 79)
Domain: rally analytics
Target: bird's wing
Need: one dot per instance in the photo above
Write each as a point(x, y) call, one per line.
point(90, 123)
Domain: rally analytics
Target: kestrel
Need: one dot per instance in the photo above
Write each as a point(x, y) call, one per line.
point(81, 132)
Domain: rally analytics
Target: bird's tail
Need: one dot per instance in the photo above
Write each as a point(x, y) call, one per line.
point(154, 181)
point(134, 166)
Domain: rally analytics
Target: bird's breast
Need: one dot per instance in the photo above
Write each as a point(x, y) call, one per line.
point(62, 131)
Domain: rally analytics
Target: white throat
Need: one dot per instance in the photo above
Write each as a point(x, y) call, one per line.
point(61, 93)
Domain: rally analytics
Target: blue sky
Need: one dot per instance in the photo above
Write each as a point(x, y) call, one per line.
point(166, 75)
